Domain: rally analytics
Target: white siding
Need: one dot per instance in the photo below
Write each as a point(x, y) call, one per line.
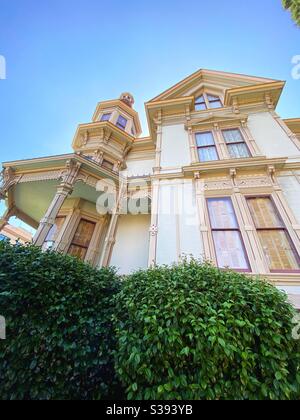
point(270, 137)
point(139, 167)
point(293, 293)
point(131, 249)
point(291, 189)
point(178, 223)
point(190, 235)
point(175, 147)
point(166, 238)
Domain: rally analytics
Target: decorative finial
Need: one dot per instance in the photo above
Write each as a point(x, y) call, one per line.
point(128, 99)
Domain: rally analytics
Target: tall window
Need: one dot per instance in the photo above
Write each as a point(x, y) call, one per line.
point(122, 122)
point(236, 145)
point(227, 237)
point(207, 101)
point(106, 117)
point(207, 150)
point(275, 240)
point(82, 239)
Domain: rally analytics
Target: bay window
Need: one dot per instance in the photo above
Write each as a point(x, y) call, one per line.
point(273, 235)
point(229, 246)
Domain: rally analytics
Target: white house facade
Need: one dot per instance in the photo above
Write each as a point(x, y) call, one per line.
point(218, 178)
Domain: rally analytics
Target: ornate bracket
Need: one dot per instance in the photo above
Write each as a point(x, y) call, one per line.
point(233, 175)
point(269, 101)
point(7, 180)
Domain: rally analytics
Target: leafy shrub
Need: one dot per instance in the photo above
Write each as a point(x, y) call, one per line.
point(195, 332)
point(59, 333)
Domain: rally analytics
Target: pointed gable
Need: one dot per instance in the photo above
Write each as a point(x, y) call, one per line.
point(212, 82)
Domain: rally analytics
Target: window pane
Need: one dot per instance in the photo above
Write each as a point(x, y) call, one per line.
point(222, 214)
point(213, 98)
point(122, 122)
point(216, 104)
point(233, 136)
point(84, 233)
point(278, 250)
point(200, 99)
point(230, 250)
point(207, 154)
point(105, 117)
point(239, 150)
point(264, 213)
point(205, 139)
point(200, 107)
point(77, 251)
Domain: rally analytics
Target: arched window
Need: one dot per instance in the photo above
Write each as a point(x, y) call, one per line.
point(207, 101)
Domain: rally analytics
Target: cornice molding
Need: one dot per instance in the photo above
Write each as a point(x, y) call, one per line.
point(220, 118)
point(238, 164)
point(266, 92)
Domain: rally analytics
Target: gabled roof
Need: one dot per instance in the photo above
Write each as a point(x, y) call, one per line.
point(220, 79)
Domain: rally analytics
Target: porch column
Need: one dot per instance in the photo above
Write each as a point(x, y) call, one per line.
point(49, 219)
point(64, 189)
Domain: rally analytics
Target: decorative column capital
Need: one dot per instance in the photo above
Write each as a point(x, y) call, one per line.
point(69, 175)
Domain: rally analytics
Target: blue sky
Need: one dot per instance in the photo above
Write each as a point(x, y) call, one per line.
point(64, 56)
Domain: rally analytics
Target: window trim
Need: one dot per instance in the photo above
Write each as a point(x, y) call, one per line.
point(284, 228)
point(119, 125)
point(237, 229)
point(207, 102)
point(237, 142)
point(206, 147)
point(104, 115)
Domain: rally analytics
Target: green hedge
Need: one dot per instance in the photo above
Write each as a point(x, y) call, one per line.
point(59, 333)
point(195, 332)
point(184, 332)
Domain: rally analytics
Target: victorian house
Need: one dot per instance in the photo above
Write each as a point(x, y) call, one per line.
point(218, 178)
